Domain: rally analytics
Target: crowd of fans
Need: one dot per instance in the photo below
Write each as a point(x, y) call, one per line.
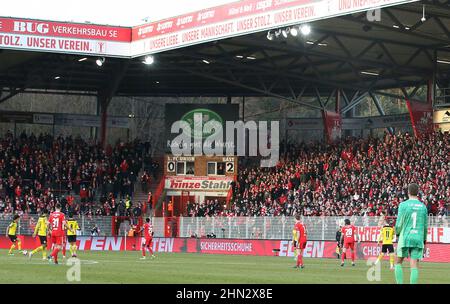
point(356, 176)
point(366, 177)
point(37, 172)
point(206, 208)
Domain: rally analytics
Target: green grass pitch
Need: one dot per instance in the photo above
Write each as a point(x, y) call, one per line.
point(126, 267)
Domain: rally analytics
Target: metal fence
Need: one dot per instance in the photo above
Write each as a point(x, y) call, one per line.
point(104, 225)
point(27, 223)
point(318, 228)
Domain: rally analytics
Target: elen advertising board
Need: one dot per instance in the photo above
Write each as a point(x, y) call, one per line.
point(283, 248)
point(224, 21)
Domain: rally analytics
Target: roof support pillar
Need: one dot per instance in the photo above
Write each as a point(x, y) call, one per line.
point(380, 109)
point(430, 90)
point(338, 100)
point(106, 93)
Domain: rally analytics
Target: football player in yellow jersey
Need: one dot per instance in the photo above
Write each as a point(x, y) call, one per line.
point(387, 235)
point(41, 231)
point(11, 232)
point(72, 227)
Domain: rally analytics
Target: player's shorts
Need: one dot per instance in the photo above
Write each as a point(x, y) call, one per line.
point(57, 239)
point(350, 245)
point(43, 239)
point(148, 241)
point(71, 238)
point(412, 252)
point(302, 245)
point(13, 238)
point(386, 248)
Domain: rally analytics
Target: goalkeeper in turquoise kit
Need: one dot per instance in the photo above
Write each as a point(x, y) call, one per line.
point(411, 230)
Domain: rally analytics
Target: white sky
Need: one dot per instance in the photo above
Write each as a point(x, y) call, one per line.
point(113, 12)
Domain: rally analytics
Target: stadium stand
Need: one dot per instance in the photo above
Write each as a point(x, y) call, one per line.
point(37, 172)
point(356, 177)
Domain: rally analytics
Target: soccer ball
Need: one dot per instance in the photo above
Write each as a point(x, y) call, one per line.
point(25, 252)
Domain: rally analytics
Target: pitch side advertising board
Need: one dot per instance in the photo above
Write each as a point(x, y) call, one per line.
point(282, 248)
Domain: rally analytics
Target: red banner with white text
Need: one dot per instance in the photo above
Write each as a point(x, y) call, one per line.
point(421, 115)
point(63, 37)
point(210, 24)
point(333, 125)
point(239, 18)
point(283, 248)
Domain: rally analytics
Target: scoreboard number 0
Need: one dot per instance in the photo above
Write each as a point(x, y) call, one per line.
point(170, 166)
point(230, 167)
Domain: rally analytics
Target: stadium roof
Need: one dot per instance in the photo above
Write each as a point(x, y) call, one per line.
point(347, 52)
point(129, 13)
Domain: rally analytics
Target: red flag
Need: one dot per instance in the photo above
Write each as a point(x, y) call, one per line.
point(421, 115)
point(333, 125)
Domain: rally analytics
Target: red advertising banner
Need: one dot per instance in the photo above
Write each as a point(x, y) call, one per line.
point(229, 20)
point(333, 125)
point(63, 29)
point(435, 234)
point(239, 18)
point(421, 115)
point(214, 15)
point(198, 183)
point(61, 37)
point(283, 248)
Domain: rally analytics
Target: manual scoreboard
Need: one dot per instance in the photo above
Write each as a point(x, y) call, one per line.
point(190, 179)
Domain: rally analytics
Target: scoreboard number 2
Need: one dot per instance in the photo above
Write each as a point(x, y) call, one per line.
point(230, 167)
point(170, 166)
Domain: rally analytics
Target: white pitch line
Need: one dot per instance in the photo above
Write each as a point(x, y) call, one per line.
point(63, 263)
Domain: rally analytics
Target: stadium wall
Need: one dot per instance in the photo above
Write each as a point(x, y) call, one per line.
point(282, 248)
point(318, 228)
point(147, 114)
point(244, 228)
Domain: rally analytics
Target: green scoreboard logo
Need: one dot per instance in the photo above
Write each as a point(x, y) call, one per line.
point(207, 115)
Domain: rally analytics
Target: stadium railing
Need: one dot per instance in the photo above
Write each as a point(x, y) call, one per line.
point(318, 228)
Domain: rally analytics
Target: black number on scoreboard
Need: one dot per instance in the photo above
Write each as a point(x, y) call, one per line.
point(171, 166)
point(230, 167)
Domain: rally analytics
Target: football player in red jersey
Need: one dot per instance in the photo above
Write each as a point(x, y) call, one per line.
point(57, 226)
point(148, 234)
point(349, 236)
point(300, 229)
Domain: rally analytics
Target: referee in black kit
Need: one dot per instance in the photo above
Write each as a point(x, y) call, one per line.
point(339, 242)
